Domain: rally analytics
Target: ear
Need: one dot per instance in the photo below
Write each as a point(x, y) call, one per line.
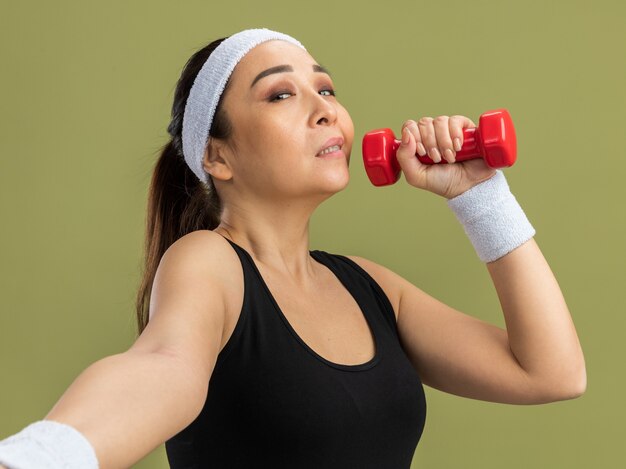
point(213, 162)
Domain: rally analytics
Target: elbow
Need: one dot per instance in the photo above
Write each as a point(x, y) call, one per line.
point(576, 387)
point(580, 384)
point(567, 387)
point(572, 393)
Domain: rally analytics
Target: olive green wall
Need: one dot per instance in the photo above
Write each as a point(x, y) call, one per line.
point(86, 92)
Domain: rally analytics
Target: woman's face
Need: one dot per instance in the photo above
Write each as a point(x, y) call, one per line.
point(281, 121)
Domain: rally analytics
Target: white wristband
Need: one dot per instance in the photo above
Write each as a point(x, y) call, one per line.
point(47, 444)
point(492, 218)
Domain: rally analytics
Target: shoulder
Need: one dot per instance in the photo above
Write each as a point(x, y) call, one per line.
point(200, 242)
point(390, 282)
point(189, 300)
point(204, 256)
point(205, 251)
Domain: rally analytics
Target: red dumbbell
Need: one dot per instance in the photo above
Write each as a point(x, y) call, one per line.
point(493, 139)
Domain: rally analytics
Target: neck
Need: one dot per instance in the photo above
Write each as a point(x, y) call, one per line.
point(277, 239)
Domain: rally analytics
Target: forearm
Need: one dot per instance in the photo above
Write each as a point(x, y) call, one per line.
point(541, 332)
point(127, 404)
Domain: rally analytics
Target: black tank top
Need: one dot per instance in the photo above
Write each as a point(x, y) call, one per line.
point(273, 402)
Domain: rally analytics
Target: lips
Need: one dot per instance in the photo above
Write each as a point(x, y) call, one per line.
point(330, 143)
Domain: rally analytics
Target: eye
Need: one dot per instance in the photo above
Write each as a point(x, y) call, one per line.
point(275, 97)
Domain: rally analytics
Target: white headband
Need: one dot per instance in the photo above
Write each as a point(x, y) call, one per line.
point(208, 87)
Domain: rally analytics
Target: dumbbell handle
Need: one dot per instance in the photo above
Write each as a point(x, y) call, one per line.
point(469, 150)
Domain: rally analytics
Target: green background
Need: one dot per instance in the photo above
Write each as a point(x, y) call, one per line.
point(86, 94)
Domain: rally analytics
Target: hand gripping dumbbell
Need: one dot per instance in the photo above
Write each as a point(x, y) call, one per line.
point(493, 140)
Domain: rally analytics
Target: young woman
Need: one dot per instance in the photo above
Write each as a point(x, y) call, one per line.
point(254, 350)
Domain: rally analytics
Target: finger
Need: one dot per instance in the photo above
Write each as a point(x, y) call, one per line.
point(406, 150)
point(444, 142)
point(457, 124)
point(427, 131)
point(405, 154)
point(412, 126)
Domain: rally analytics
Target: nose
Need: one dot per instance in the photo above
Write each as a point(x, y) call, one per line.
point(324, 111)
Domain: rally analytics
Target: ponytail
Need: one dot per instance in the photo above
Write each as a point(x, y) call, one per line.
point(178, 202)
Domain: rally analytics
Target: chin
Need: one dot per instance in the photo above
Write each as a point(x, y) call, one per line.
point(339, 183)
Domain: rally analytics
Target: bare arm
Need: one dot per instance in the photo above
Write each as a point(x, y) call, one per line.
point(129, 403)
point(460, 354)
point(540, 329)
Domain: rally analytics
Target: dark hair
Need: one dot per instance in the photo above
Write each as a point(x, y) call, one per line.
point(178, 202)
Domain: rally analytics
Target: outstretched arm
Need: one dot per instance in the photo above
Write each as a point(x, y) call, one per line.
point(125, 405)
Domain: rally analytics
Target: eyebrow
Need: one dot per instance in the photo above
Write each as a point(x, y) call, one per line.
point(287, 68)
